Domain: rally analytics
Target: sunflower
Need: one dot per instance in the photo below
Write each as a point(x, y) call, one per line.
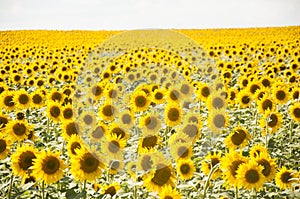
point(168, 192)
point(161, 176)
point(217, 120)
point(107, 111)
point(131, 169)
point(150, 123)
point(237, 138)
point(139, 101)
point(69, 128)
point(113, 146)
point(148, 141)
point(159, 96)
point(7, 100)
point(244, 98)
point(295, 111)
point(147, 159)
point(28, 179)
point(295, 93)
point(48, 167)
point(110, 189)
point(211, 160)
point(67, 112)
point(22, 160)
point(115, 129)
point(88, 119)
point(98, 132)
point(126, 118)
point(87, 165)
point(37, 99)
point(232, 96)
point(74, 143)
point(216, 101)
point(285, 178)
point(22, 99)
point(97, 90)
point(54, 111)
point(181, 150)
point(173, 95)
point(203, 92)
point(3, 121)
point(173, 114)
point(185, 168)
point(55, 96)
point(4, 147)
point(256, 150)
point(230, 163)
point(265, 103)
point(186, 90)
point(266, 81)
point(191, 130)
point(115, 166)
point(273, 121)
point(17, 130)
point(280, 94)
point(269, 165)
point(249, 175)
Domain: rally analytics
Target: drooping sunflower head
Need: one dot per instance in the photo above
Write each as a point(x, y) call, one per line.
point(110, 189)
point(237, 138)
point(210, 161)
point(269, 165)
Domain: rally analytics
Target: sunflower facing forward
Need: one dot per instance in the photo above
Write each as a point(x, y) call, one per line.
point(48, 167)
point(285, 178)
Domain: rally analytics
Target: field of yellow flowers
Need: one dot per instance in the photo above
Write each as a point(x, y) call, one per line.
point(164, 114)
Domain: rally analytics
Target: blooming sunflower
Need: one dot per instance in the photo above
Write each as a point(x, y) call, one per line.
point(67, 112)
point(88, 119)
point(229, 165)
point(37, 99)
point(244, 98)
point(256, 150)
point(113, 146)
point(159, 96)
point(285, 178)
point(265, 103)
point(173, 95)
point(74, 143)
point(3, 120)
point(273, 121)
point(4, 147)
point(54, 111)
point(217, 120)
point(48, 167)
point(168, 192)
point(295, 111)
point(139, 101)
point(115, 166)
point(211, 160)
point(115, 129)
point(280, 93)
point(98, 132)
point(110, 189)
point(87, 165)
point(269, 165)
point(22, 99)
point(181, 150)
point(249, 175)
point(22, 160)
point(7, 100)
point(126, 118)
point(150, 123)
point(70, 127)
point(107, 111)
point(203, 92)
point(185, 168)
point(173, 114)
point(237, 138)
point(17, 130)
point(148, 141)
point(146, 160)
point(216, 101)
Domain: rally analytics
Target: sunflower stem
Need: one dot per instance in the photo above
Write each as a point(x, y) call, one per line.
point(212, 171)
point(134, 192)
point(236, 192)
point(10, 185)
point(43, 189)
point(84, 189)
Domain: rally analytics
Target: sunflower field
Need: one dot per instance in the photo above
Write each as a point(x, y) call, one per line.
point(152, 114)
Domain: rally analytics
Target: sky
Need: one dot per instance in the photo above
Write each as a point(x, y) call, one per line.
point(146, 14)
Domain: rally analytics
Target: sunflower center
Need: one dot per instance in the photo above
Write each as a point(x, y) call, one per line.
point(26, 160)
point(151, 122)
point(214, 161)
point(219, 121)
point(146, 163)
point(238, 137)
point(162, 175)
point(296, 112)
point(205, 91)
point(267, 167)
point(115, 165)
point(50, 165)
point(245, 99)
point(2, 145)
point(68, 113)
point(108, 110)
point(75, 145)
point(19, 129)
point(114, 146)
point(280, 95)
point(168, 197)
point(183, 151)
point(56, 96)
point(173, 114)
point(118, 131)
point(232, 96)
point(126, 119)
point(185, 168)
point(267, 104)
point(23, 99)
point(88, 119)
point(98, 132)
point(113, 94)
point(218, 103)
point(36, 99)
point(29, 179)
point(72, 128)
point(254, 88)
point(8, 101)
point(174, 95)
point(185, 89)
point(89, 163)
point(296, 95)
point(3, 122)
point(140, 101)
point(149, 141)
point(191, 130)
point(234, 167)
point(111, 191)
point(274, 120)
point(55, 111)
point(252, 176)
point(266, 82)
point(97, 90)
point(285, 177)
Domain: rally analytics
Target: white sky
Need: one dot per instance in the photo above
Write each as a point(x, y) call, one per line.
point(140, 14)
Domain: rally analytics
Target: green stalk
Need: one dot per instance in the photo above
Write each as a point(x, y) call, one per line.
point(43, 189)
point(84, 189)
point(10, 185)
point(212, 171)
point(236, 193)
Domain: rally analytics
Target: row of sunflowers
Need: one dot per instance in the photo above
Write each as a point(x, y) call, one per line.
point(150, 114)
